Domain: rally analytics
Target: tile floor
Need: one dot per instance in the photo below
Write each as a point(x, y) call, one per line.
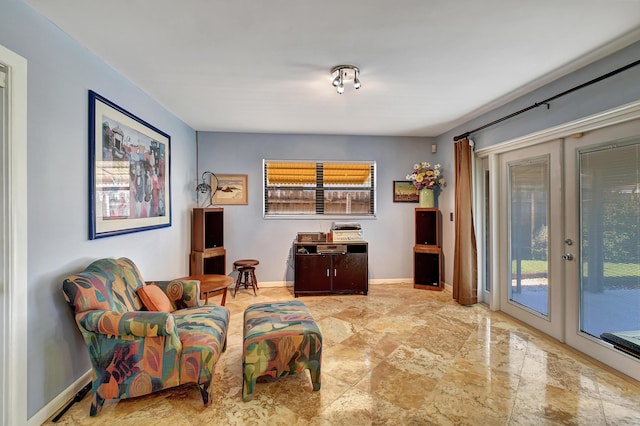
point(399, 356)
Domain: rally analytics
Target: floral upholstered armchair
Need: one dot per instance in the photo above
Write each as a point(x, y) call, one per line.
point(135, 351)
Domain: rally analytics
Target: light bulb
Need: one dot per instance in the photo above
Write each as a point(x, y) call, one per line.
point(356, 83)
point(341, 88)
point(336, 80)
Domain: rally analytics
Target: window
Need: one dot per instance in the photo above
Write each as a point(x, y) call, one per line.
point(319, 188)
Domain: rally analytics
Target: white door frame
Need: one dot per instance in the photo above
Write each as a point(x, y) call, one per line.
point(616, 115)
point(13, 410)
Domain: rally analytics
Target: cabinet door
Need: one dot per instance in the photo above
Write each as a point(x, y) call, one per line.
point(313, 273)
point(350, 272)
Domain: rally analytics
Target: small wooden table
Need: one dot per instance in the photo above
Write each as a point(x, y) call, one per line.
point(211, 285)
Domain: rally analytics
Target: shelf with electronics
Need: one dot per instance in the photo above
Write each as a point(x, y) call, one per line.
point(333, 263)
point(427, 254)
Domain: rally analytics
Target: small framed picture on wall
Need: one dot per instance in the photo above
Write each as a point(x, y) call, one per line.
point(229, 189)
point(405, 192)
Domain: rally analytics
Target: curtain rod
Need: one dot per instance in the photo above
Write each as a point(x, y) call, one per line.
point(546, 101)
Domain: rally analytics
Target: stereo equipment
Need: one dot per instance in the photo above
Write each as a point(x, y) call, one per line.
point(346, 235)
point(331, 248)
point(312, 237)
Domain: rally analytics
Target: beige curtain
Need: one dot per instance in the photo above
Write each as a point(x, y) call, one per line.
point(465, 265)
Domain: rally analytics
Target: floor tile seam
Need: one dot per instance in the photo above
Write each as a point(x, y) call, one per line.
point(523, 378)
point(492, 368)
point(545, 409)
point(347, 389)
point(515, 396)
point(356, 389)
point(474, 325)
point(446, 362)
point(560, 385)
point(600, 402)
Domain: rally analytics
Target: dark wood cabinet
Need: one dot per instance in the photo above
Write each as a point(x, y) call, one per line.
point(318, 270)
point(427, 254)
point(208, 255)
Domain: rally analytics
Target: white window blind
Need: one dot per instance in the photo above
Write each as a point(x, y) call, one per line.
point(319, 188)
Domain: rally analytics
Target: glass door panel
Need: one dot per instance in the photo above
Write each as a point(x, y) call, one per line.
point(528, 209)
point(610, 238)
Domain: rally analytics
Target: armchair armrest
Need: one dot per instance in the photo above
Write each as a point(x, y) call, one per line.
point(181, 293)
point(138, 323)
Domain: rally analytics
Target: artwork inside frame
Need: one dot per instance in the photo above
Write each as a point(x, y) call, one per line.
point(129, 172)
point(405, 192)
point(231, 189)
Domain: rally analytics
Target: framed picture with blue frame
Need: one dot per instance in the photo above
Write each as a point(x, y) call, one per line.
point(129, 172)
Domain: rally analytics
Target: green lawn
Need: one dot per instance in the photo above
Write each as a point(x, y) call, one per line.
point(610, 269)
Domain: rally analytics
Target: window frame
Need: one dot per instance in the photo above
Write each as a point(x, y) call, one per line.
point(320, 189)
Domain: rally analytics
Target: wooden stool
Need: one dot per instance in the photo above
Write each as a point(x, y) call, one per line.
point(247, 262)
point(211, 285)
point(246, 277)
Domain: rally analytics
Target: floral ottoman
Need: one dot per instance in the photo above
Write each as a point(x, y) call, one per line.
point(280, 338)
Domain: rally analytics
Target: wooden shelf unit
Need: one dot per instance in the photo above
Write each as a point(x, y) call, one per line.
point(427, 254)
point(208, 255)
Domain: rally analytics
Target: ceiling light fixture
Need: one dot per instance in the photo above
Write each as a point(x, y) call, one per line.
point(345, 73)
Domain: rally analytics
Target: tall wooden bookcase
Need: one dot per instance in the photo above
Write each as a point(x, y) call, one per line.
point(427, 254)
point(208, 255)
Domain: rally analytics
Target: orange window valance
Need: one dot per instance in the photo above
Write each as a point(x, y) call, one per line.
point(303, 173)
point(346, 173)
point(291, 173)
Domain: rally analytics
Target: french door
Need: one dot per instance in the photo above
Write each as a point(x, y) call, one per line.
point(567, 237)
point(531, 236)
point(602, 219)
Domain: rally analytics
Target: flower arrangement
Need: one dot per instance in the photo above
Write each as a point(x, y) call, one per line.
point(425, 176)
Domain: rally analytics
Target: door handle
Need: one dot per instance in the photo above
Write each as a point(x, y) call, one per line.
point(567, 256)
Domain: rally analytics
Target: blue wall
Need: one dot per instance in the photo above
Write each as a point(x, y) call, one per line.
point(60, 73)
point(248, 235)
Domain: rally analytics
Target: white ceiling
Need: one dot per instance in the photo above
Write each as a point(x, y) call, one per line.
point(263, 66)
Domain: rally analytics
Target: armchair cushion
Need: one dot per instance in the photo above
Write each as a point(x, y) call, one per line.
point(155, 299)
point(181, 293)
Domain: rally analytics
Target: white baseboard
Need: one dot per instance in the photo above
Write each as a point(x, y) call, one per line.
point(266, 284)
point(390, 280)
point(376, 281)
point(60, 401)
